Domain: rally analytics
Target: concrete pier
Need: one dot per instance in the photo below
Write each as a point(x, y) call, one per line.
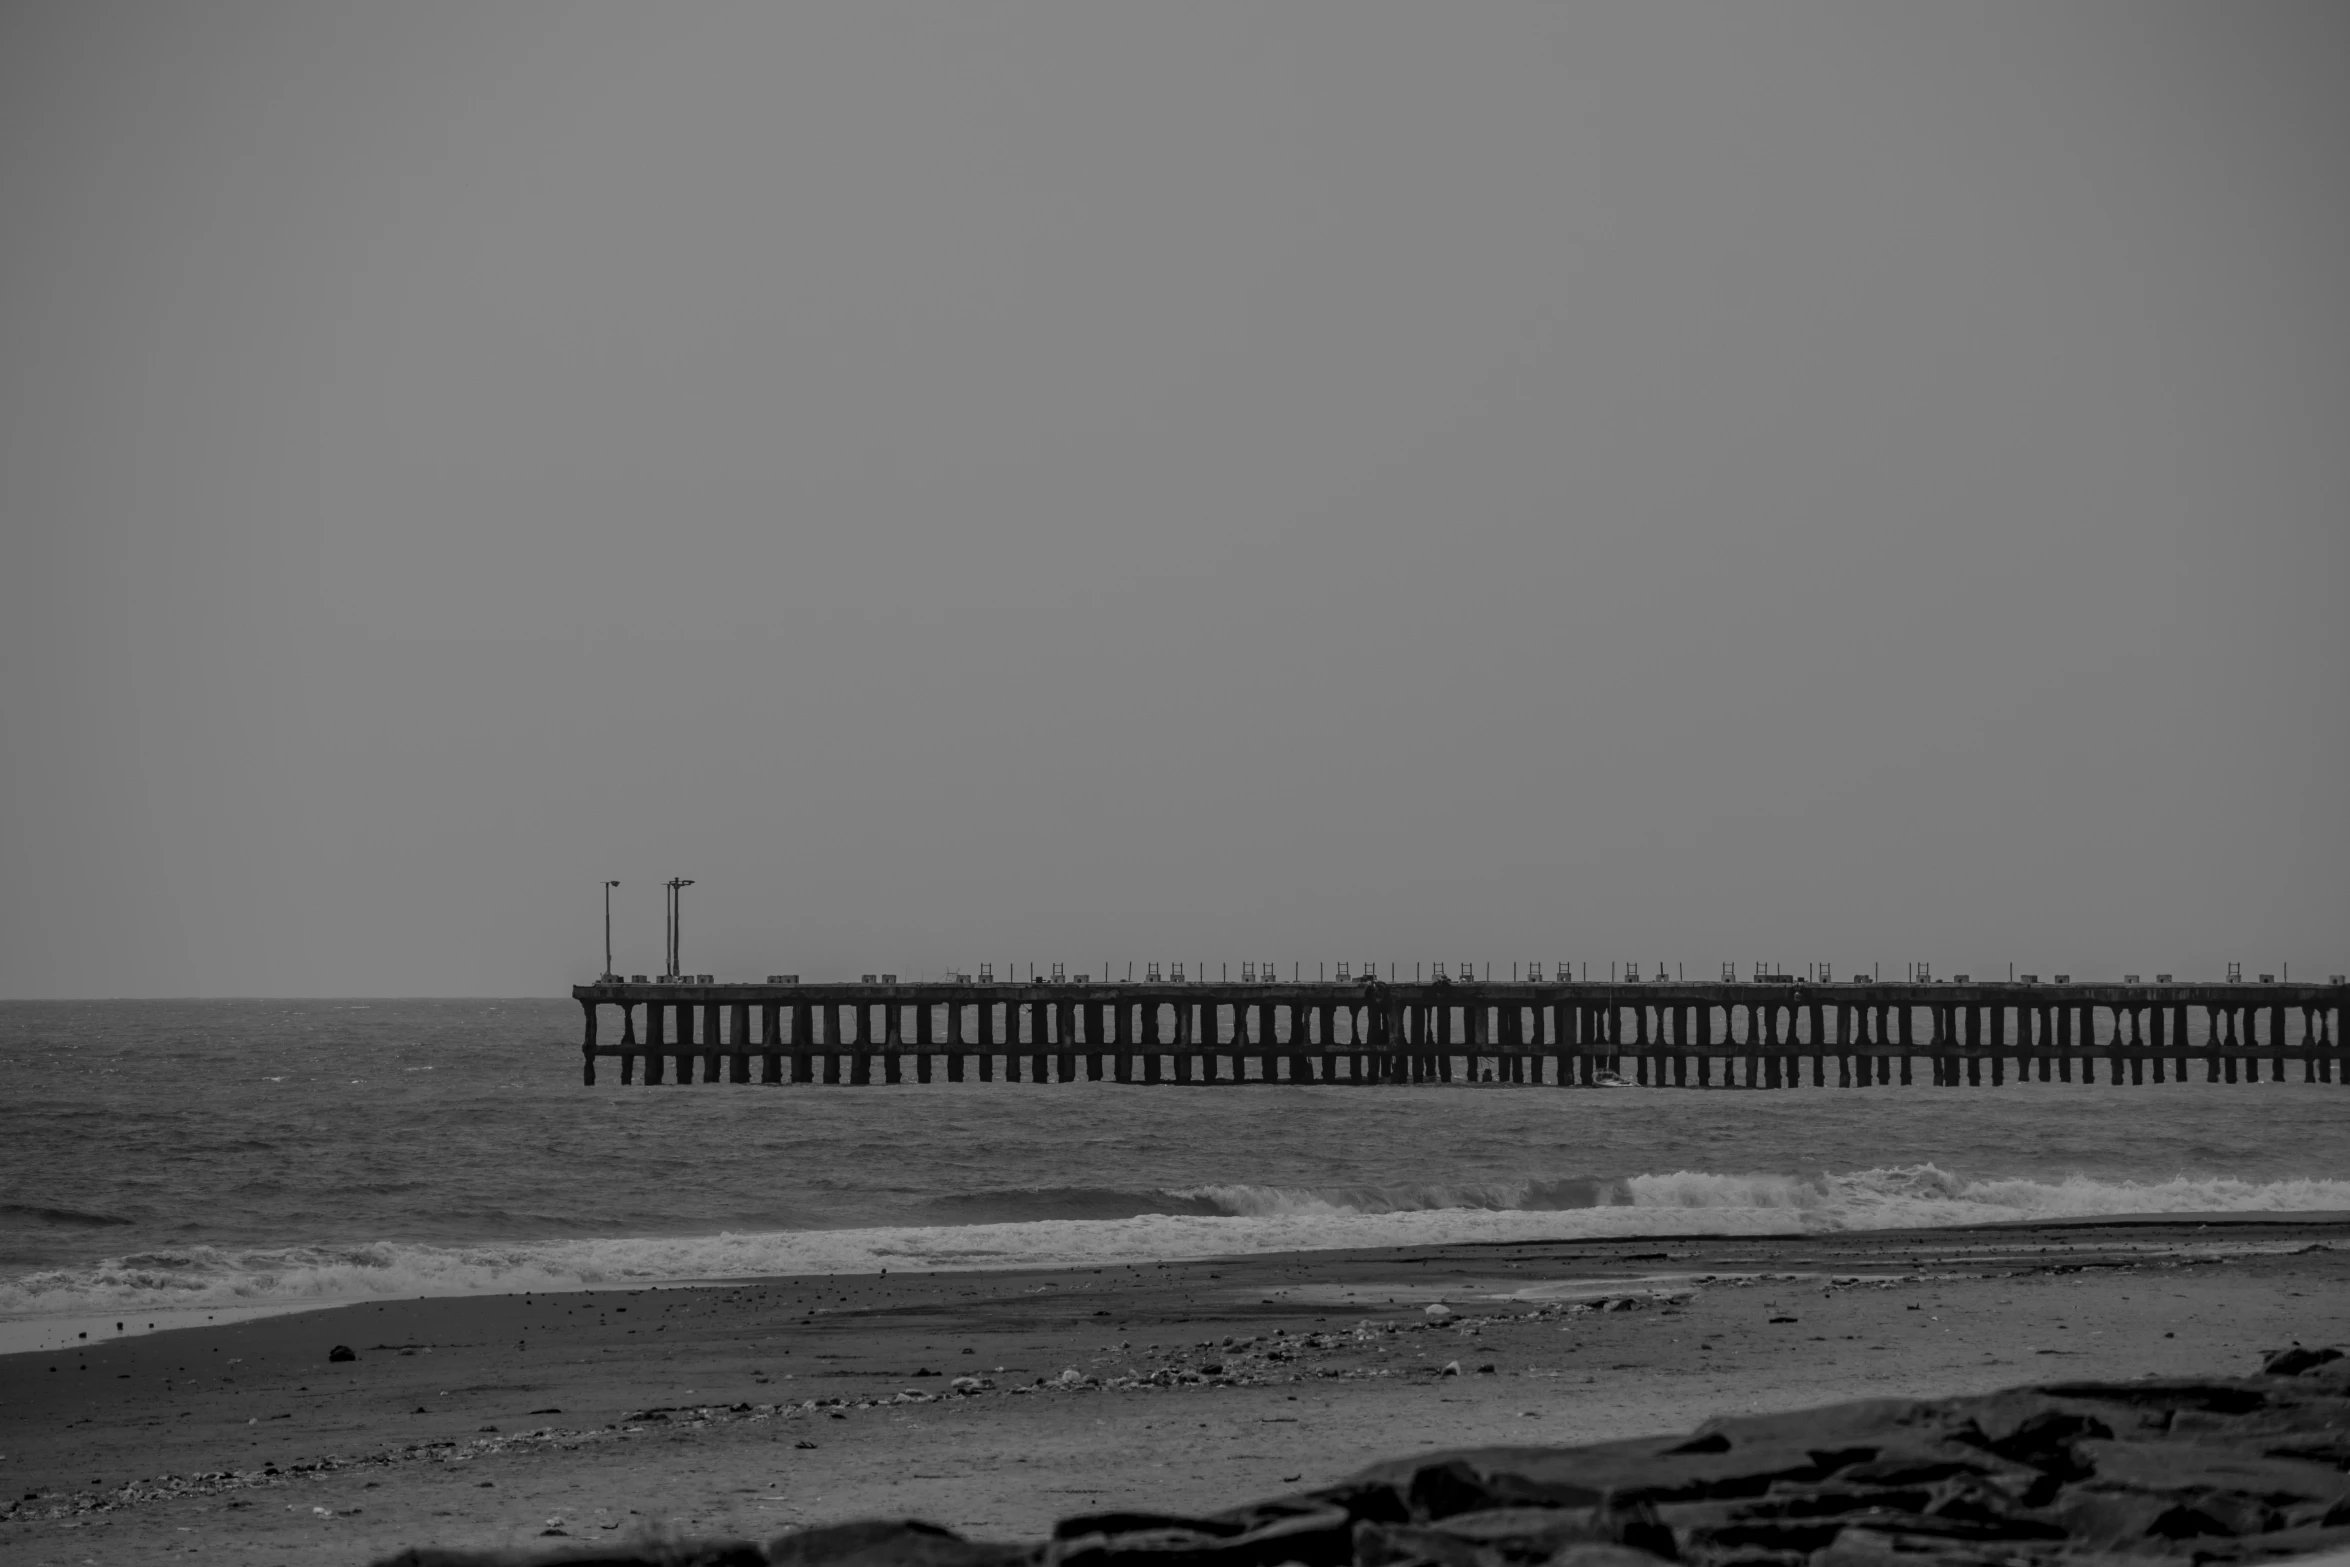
point(1666, 1034)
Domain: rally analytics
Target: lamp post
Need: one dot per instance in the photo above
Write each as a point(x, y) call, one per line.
point(677, 886)
point(608, 886)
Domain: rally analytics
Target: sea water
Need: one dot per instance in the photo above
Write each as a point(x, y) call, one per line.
point(166, 1162)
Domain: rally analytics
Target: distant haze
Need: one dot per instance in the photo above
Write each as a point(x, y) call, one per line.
point(1114, 481)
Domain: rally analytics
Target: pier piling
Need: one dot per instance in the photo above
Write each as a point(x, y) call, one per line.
point(1655, 1034)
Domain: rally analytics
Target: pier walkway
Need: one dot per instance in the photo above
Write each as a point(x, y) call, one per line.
point(1762, 1034)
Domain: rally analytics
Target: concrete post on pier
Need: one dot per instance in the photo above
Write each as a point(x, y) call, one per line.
point(656, 1042)
point(587, 1048)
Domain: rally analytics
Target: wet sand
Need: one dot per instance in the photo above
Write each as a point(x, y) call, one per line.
point(744, 1409)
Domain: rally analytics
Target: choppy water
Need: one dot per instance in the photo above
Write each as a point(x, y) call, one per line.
point(160, 1154)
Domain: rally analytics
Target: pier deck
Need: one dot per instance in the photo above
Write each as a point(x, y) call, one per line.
point(1758, 1034)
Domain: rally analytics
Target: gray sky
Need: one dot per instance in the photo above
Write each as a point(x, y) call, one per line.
point(1118, 481)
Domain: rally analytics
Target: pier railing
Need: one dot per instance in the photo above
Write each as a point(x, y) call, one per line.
point(1666, 1034)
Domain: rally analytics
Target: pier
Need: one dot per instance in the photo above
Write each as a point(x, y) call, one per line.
point(1767, 1033)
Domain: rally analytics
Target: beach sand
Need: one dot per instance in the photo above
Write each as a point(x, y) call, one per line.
point(495, 1420)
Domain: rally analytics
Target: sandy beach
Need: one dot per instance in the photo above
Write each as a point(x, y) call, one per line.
point(996, 1402)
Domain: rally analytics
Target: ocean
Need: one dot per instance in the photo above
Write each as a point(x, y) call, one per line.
point(167, 1162)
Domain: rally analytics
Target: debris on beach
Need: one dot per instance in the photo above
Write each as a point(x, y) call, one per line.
point(2168, 1470)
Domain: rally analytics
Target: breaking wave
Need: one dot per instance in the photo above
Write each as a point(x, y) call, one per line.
point(1094, 1226)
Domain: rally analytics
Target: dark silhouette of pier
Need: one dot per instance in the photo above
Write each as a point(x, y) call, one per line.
point(1766, 1033)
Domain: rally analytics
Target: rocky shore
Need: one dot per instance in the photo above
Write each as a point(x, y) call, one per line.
point(1003, 1406)
point(2156, 1471)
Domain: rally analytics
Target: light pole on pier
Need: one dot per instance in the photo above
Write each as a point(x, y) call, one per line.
point(608, 886)
point(677, 886)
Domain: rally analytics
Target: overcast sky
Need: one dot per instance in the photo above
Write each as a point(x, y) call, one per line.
point(1118, 481)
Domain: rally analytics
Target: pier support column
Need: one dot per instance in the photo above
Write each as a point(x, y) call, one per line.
point(656, 1041)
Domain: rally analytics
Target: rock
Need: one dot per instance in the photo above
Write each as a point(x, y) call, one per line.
point(2292, 1362)
point(907, 1542)
point(1452, 1368)
point(1439, 1312)
point(342, 1352)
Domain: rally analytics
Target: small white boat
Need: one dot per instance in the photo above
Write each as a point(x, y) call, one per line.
point(1612, 1080)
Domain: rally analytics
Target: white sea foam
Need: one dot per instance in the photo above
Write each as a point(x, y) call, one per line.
point(1247, 1219)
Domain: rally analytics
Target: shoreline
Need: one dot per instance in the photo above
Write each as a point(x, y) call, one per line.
point(48, 1333)
point(742, 1407)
